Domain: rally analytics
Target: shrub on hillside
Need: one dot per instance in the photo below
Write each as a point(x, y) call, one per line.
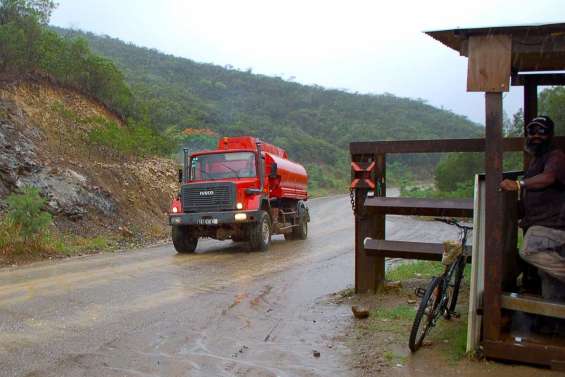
point(25, 212)
point(25, 227)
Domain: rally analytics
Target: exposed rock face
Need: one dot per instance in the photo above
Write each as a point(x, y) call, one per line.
point(42, 146)
point(69, 193)
point(17, 157)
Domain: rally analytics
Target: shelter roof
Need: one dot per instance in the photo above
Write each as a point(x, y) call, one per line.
point(535, 47)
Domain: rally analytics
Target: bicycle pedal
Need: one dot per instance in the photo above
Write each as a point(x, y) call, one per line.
point(420, 292)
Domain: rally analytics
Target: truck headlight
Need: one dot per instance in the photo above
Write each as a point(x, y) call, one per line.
point(240, 216)
point(175, 209)
point(239, 206)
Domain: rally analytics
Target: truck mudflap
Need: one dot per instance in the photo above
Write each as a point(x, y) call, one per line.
point(214, 218)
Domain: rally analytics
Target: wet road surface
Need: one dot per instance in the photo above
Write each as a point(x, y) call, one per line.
point(223, 311)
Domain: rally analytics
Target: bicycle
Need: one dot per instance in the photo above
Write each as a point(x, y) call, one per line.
point(440, 297)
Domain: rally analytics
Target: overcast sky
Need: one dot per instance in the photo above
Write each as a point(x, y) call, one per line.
point(371, 46)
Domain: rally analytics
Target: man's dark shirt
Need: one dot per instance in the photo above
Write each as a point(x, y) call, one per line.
point(546, 206)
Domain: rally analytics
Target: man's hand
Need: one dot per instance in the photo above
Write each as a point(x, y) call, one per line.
point(509, 185)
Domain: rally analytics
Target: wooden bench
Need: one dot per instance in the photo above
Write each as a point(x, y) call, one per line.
point(414, 207)
point(407, 250)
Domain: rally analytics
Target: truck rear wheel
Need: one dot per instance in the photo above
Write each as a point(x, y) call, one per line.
point(182, 240)
point(301, 231)
point(260, 234)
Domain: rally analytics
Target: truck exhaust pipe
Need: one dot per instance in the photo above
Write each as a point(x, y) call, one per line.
point(260, 169)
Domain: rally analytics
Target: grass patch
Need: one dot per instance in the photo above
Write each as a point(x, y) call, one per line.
point(452, 334)
point(420, 270)
point(396, 320)
point(393, 358)
point(411, 270)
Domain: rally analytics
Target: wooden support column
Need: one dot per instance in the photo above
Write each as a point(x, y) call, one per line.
point(369, 270)
point(493, 216)
point(530, 110)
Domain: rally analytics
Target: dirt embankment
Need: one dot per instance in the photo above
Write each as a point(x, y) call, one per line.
point(90, 190)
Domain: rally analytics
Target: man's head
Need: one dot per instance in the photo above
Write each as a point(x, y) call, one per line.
point(539, 133)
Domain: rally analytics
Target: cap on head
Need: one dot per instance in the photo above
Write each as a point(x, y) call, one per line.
point(543, 121)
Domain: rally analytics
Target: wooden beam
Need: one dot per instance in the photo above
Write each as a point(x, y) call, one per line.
point(542, 79)
point(489, 63)
point(421, 207)
point(408, 250)
point(526, 352)
point(513, 144)
point(431, 146)
point(532, 304)
point(493, 216)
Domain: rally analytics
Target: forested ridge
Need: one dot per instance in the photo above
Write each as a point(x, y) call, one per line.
point(314, 124)
point(169, 102)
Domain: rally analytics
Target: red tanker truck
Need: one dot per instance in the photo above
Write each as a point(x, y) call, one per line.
point(245, 190)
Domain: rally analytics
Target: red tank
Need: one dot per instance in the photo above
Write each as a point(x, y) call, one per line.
point(291, 180)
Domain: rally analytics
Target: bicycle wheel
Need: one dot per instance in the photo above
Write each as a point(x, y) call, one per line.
point(453, 286)
point(426, 314)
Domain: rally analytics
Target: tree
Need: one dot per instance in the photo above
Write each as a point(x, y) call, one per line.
point(19, 10)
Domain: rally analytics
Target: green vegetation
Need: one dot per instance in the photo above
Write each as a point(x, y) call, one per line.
point(416, 269)
point(395, 320)
point(453, 334)
point(28, 46)
point(420, 270)
point(314, 124)
point(25, 224)
point(455, 172)
point(25, 230)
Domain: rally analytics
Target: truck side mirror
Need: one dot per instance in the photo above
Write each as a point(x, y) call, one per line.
point(180, 175)
point(274, 169)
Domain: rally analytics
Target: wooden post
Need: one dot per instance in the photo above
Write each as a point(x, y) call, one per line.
point(493, 216)
point(369, 271)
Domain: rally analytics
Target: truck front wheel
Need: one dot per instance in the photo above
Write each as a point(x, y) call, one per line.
point(183, 241)
point(260, 234)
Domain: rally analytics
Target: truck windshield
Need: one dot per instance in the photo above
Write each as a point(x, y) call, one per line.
point(222, 166)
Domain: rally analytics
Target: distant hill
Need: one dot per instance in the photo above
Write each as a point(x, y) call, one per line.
point(314, 124)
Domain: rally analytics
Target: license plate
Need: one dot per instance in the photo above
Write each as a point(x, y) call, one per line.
point(207, 221)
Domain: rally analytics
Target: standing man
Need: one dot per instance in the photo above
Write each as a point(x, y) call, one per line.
point(543, 194)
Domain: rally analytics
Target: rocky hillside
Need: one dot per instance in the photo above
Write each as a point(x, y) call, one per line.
point(91, 191)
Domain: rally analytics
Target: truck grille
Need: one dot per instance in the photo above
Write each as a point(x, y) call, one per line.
point(208, 197)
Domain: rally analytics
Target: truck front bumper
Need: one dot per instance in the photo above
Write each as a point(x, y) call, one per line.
point(214, 218)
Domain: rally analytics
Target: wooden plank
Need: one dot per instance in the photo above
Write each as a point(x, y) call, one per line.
point(493, 216)
point(489, 63)
point(406, 250)
point(532, 304)
point(514, 144)
point(525, 352)
point(421, 207)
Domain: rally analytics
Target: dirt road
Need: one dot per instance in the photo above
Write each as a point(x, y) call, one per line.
point(223, 311)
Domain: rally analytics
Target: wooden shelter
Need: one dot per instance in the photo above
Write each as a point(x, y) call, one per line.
point(498, 57)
